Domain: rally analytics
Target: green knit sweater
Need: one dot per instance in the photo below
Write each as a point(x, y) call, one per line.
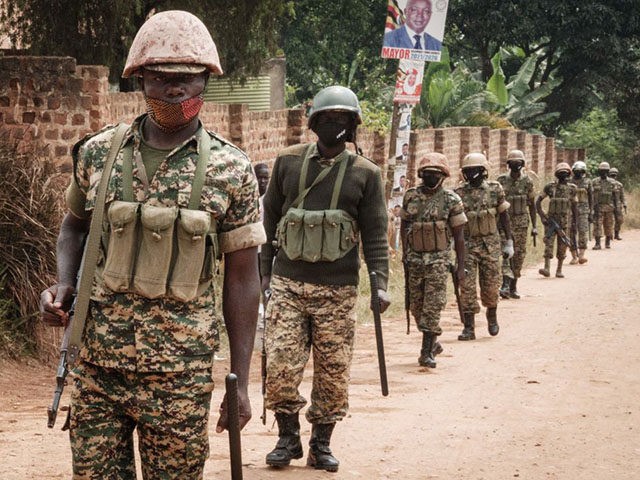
point(361, 195)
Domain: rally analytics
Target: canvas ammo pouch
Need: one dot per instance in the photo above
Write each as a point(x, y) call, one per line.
point(605, 198)
point(482, 223)
point(157, 251)
point(558, 206)
point(518, 204)
point(317, 235)
point(429, 236)
point(583, 195)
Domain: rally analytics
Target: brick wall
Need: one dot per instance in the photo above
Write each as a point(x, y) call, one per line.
point(48, 103)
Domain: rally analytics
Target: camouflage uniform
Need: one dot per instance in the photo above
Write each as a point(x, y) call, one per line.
point(603, 206)
point(583, 192)
point(482, 252)
point(620, 203)
point(135, 348)
point(520, 194)
point(560, 191)
point(428, 271)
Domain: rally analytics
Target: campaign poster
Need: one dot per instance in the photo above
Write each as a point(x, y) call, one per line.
point(409, 82)
point(414, 29)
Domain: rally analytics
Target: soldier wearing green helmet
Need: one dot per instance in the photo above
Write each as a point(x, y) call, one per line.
point(603, 206)
point(584, 209)
point(323, 200)
point(621, 204)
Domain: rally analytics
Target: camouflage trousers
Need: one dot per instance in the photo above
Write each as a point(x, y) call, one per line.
point(618, 218)
point(582, 226)
point(482, 260)
point(300, 316)
point(520, 252)
point(170, 411)
point(603, 221)
point(561, 247)
point(428, 294)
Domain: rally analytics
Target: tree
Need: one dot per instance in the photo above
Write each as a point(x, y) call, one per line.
point(98, 32)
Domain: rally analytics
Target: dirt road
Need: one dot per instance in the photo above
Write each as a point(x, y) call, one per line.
point(556, 395)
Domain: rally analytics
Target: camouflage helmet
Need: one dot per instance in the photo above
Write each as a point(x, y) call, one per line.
point(515, 155)
point(338, 98)
point(563, 167)
point(579, 166)
point(475, 159)
point(604, 166)
point(613, 172)
point(173, 41)
point(434, 161)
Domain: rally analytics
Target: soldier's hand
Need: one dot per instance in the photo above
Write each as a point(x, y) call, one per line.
point(544, 220)
point(55, 302)
point(534, 232)
point(508, 250)
point(460, 273)
point(590, 217)
point(383, 297)
point(244, 410)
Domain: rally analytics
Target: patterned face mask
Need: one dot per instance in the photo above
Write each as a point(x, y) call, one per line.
point(171, 117)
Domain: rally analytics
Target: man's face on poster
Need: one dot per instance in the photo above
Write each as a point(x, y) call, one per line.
point(412, 77)
point(418, 14)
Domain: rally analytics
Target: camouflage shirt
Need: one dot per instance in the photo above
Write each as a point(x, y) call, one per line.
point(488, 195)
point(556, 190)
point(603, 195)
point(130, 332)
point(618, 196)
point(584, 190)
point(519, 190)
point(420, 205)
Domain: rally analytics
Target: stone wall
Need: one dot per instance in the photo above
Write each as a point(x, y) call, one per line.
point(48, 103)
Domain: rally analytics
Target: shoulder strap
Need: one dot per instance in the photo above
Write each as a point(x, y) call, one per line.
point(299, 201)
point(338, 185)
point(204, 152)
point(90, 257)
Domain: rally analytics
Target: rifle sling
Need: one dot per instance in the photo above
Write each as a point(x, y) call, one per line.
point(92, 245)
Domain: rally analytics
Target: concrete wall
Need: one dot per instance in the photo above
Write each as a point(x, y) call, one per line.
point(48, 103)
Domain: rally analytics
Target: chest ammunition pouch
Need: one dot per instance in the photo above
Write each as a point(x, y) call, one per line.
point(518, 204)
point(429, 234)
point(482, 221)
point(157, 251)
point(583, 195)
point(317, 235)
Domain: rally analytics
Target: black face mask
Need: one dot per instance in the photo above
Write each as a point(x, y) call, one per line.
point(332, 134)
point(474, 176)
point(603, 173)
point(562, 176)
point(431, 179)
point(579, 174)
point(515, 167)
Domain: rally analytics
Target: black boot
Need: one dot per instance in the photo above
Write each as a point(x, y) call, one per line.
point(617, 236)
point(426, 358)
point(513, 291)
point(607, 242)
point(289, 445)
point(468, 332)
point(492, 321)
point(597, 245)
point(504, 289)
point(320, 456)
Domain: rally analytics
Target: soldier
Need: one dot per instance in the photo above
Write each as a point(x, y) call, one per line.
point(519, 191)
point(147, 354)
point(484, 203)
point(431, 216)
point(621, 204)
point(321, 200)
point(603, 205)
point(584, 209)
point(562, 210)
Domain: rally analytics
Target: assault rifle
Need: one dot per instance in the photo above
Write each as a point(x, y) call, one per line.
point(377, 321)
point(554, 227)
point(407, 300)
point(534, 236)
point(456, 290)
point(235, 448)
point(61, 373)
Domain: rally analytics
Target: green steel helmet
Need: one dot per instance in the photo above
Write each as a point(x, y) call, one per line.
point(563, 167)
point(338, 98)
point(604, 166)
point(475, 159)
point(579, 166)
point(613, 172)
point(515, 155)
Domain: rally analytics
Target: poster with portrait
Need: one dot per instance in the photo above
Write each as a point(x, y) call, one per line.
point(414, 29)
point(408, 82)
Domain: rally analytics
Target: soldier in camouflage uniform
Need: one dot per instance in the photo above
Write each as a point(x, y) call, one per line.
point(604, 206)
point(620, 202)
point(146, 360)
point(584, 209)
point(321, 199)
point(518, 189)
point(484, 205)
point(562, 209)
point(431, 216)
